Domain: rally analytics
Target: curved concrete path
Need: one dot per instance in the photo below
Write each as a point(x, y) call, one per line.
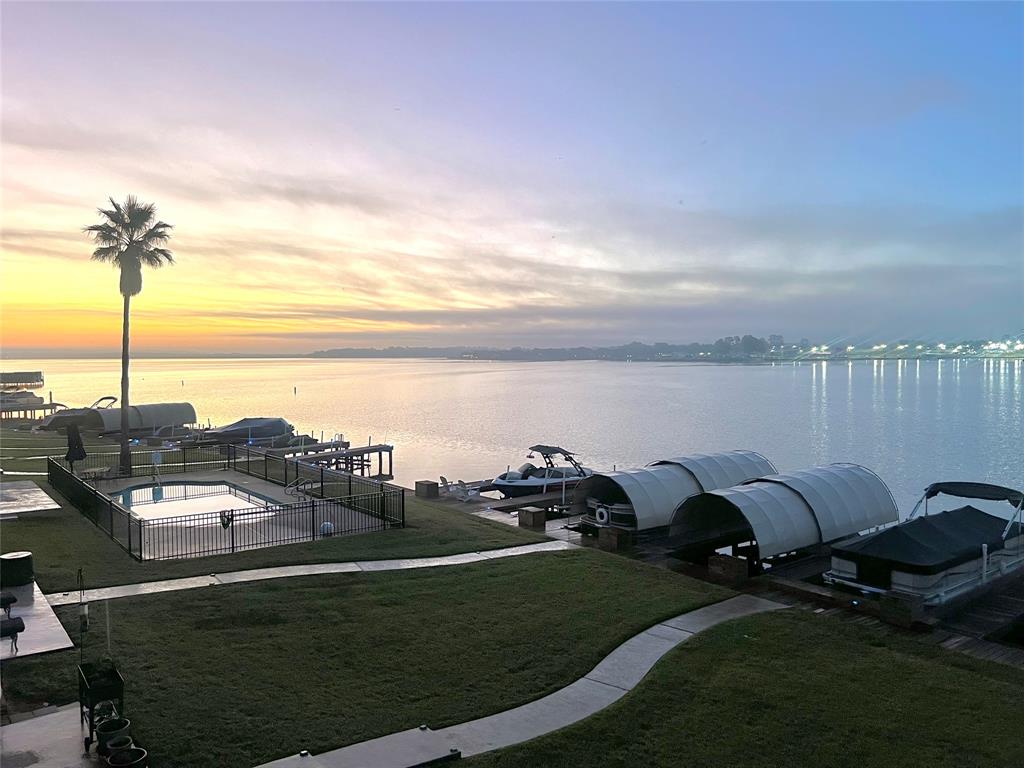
point(309, 569)
point(617, 674)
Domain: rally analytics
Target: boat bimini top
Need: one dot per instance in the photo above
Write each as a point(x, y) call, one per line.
point(984, 491)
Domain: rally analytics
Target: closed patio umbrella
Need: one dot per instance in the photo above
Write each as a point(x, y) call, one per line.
point(76, 449)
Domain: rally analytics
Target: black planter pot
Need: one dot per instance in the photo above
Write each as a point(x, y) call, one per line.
point(135, 757)
point(111, 729)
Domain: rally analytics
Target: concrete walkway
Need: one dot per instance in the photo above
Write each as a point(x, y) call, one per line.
point(311, 569)
point(616, 675)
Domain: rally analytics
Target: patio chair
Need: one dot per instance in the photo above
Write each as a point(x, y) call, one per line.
point(446, 487)
point(468, 493)
point(7, 600)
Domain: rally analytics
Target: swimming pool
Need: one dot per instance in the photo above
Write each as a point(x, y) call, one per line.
point(174, 499)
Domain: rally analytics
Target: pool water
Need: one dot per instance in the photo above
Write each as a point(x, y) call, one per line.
point(174, 499)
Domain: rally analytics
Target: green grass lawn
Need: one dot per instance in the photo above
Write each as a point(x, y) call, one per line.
point(794, 689)
point(63, 541)
point(24, 451)
point(238, 675)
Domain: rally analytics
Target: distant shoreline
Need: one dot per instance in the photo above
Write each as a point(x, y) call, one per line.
point(511, 359)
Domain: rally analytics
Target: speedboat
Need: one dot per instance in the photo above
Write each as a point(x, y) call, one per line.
point(530, 479)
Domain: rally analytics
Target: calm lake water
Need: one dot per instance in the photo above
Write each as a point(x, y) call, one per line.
point(912, 422)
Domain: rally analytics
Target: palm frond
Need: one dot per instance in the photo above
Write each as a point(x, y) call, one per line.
point(156, 257)
point(107, 253)
point(105, 234)
point(118, 218)
point(158, 233)
point(139, 216)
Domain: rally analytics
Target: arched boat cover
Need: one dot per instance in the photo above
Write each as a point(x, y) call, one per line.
point(655, 491)
point(976, 491)
point(151, 416)
point(721, 470)
point(800, 509)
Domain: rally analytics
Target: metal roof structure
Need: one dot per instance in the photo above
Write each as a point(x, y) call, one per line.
point(657, 490)
point(151, 416)
point(795, 510)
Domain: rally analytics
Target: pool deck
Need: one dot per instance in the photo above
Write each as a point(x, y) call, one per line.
point(252, 484)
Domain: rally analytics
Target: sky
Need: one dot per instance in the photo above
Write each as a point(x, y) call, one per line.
point(514, 174)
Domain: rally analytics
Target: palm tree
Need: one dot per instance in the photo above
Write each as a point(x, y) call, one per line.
point(129, 238)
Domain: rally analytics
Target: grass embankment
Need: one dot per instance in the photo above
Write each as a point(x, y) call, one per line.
point(794, 689)
point(63, 541)
point(239, 675)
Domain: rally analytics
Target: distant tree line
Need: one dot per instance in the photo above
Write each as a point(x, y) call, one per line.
point(728, 348)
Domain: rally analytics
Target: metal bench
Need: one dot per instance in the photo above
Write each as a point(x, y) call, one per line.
point(12, 628)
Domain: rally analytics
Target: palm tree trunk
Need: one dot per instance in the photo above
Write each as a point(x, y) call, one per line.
point(126, 455)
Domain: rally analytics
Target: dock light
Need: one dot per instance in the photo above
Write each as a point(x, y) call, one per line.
point(855, 603)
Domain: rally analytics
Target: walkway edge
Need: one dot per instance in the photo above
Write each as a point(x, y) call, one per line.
point(308, 569)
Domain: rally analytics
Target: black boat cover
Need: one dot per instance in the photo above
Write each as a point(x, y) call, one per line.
point(975, 491)
point(253, 428)
point(932, 543)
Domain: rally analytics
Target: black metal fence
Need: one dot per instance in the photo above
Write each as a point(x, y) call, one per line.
point(215, 533)
point(328, 502)
point(105, 513)
point(148, 462)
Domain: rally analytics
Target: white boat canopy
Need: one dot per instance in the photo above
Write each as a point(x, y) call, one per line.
point(151, 416)
point(794, 510)
point(657, 490)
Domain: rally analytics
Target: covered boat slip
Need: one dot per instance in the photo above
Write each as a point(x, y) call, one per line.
point(785, 513)
point(142, 419)
point(646, 498)
point(940, 557)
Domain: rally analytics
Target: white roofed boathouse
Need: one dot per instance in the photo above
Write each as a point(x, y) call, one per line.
point(646, 498)
point(785, 513)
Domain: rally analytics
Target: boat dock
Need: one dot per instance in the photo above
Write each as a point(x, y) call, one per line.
point(28, 410)
point(357, 461)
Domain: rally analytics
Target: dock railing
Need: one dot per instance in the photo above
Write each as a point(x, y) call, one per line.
point(324, 483)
